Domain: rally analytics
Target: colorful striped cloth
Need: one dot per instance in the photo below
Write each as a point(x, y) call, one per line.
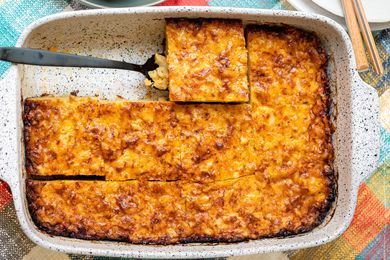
point(367, 237)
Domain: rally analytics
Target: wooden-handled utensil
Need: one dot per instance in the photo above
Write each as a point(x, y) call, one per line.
point(367, 36)
point(354, 33)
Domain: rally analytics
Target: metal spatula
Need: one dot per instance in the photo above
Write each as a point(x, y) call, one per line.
point(49, 58)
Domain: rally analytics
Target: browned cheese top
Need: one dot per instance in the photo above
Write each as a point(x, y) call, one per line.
point(179, 172)
point(125, 140)
point(172, 212)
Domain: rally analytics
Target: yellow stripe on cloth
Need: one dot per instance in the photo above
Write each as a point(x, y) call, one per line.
point(385, 109)
point(43, 253)
point(338, 249)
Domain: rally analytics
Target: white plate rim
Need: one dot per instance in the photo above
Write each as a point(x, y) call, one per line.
point(310, 7)
point(335, 7)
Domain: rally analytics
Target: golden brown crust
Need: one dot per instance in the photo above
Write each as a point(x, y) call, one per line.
point(289, 98)
point(207, 60)
point(138, 212)
point(214, 141)
point(241, 171)
point(83, 136)
point(172, 212)
point(124, 140)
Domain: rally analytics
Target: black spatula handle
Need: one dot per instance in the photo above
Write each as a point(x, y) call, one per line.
point(49, 58)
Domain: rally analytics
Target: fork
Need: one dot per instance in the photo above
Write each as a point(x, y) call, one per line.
point(49, 58)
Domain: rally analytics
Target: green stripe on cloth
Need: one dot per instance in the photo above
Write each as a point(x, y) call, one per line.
point(384, 144)
point(263, 4)
point(379, 183)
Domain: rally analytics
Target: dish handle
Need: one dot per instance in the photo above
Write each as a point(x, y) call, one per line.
point(366, 129)
point(8, 127)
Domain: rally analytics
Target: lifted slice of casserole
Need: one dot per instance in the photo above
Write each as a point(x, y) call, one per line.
point(207, 60)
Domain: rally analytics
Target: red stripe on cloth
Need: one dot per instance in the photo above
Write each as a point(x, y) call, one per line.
point(185, 2)
point(5, 195)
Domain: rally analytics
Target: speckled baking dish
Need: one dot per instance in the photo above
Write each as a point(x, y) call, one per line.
point(135, 34)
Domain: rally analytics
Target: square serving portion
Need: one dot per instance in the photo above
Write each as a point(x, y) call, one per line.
point(207, 60)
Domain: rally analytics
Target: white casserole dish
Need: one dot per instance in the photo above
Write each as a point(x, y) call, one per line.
point(133, 35)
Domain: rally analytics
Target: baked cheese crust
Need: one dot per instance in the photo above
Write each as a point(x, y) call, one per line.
point(183, 172)
point(138, 212)
point(290, 101)
point(173, 212)
point(124, 140)
point(207, 60)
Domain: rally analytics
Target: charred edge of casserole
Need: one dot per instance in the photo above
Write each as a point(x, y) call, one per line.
point(32, 206)
point(283, 30)
point(330, 175)
point(29, 107)
point(166, 240)
point(199, 21)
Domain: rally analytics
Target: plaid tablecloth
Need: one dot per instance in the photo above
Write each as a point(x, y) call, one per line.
point(368, 236)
